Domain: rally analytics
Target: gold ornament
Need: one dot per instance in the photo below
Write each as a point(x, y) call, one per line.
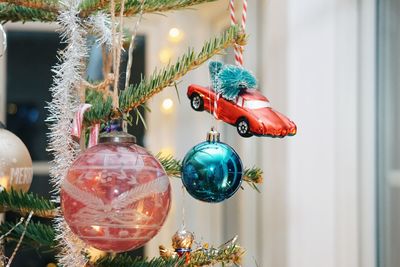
point(228, 254)
point(182, 239)
point(182, 242)
point(166, 253)
point(15, 162)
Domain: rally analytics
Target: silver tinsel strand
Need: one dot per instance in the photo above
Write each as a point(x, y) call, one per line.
point(100, 24)
point(65, 101)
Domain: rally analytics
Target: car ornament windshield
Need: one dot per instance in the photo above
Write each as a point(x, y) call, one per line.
point(256, 104)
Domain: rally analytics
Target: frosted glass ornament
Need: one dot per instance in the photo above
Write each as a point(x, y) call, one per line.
point(15, 162)
point(116, 195)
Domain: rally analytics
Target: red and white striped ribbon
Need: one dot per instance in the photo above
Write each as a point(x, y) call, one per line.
point(238, 48)
point(244, 14)
point(94, 135)
point(232, 12)
point(77, 123)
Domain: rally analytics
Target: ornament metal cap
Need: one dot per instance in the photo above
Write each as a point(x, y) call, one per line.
point(117, 137)
point(213, 136)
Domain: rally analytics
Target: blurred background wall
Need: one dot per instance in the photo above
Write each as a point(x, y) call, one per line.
point(315, 61)
point(330, 193)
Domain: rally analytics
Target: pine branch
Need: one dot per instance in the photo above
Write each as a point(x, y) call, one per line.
point(124, 260)
point(42, 236)
point(24, 203)
point(43, 5)
point(90, 6)
point(101, 108)
point(158, 6)
point(132, 7)
point(47, 10)
point(38, 235)
point(172, 166)
point(227, 256)
point(13, 13)
point(134, 96)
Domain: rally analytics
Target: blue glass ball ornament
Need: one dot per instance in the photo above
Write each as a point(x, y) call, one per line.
point(212, 171)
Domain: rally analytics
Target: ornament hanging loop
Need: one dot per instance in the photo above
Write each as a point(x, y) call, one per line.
point(132, 46)
point(238, 48)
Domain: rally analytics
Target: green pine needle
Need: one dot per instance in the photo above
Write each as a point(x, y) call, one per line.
point(14, 13)
point(23, 203)
point(227, 256)
point(253, 176)
point(47, 10)
point(171, 165)
point(42, 236)
point(101, 106)
point(123, 260)
point(38, 235)
point(132, 7)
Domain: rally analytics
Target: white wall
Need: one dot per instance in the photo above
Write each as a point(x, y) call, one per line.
point(315, 62)
point(331, 161)
point(322, 89)
point(321, 55)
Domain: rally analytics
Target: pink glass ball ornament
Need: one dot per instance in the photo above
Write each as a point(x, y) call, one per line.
point(116, 195)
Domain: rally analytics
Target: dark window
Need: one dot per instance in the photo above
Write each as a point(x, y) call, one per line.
point(30, 57)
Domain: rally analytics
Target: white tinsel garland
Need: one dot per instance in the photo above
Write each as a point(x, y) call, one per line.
point(100, 24)
point(65, 101)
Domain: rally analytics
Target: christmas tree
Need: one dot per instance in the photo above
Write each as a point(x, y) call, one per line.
point(100, 106)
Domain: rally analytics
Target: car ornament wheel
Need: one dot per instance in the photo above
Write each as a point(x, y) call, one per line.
point(196, 102)
point(243, 127)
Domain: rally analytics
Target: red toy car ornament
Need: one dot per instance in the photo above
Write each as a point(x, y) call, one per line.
point(250, 112)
